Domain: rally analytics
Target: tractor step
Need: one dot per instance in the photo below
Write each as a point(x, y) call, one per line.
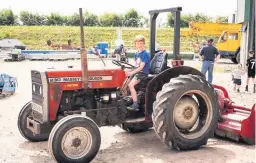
point(135, 120)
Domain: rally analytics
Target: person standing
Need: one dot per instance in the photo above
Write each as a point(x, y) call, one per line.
point(210, 55)
point(237, 77)
point(251, 70)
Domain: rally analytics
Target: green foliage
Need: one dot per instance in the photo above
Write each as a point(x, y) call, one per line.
point(111, 20)
point(73, 20)
point(35, 37)
point(7, 17)
point(222, 19)
point(30, 19)
point(55, 19)
point(132, 19)
point(186, 18)
point(91, 19)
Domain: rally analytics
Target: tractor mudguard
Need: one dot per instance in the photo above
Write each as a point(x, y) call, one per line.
point(155, 85)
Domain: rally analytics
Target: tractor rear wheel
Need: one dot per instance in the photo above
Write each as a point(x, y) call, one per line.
point(185, 112)
point(136, 127)
point(74, 138)
point(22, 125)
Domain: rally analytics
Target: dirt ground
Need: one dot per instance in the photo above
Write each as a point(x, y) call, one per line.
point(117, 146)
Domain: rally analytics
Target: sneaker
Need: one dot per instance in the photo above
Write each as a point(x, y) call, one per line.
point(133, 107)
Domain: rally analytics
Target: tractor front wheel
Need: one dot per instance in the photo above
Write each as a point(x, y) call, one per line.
point(22, 125)
point(185, 112)
point(74, 138)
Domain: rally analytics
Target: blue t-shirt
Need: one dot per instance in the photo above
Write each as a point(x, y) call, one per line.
point(144, 57)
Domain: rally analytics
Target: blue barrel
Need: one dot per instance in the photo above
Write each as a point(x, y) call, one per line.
point(103, 48)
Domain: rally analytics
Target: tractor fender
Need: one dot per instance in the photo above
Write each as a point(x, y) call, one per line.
point(155, 85)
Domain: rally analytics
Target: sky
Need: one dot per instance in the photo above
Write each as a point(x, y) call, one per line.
point(67, 7)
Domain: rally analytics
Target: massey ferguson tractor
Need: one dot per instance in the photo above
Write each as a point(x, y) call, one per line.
point(68, 106)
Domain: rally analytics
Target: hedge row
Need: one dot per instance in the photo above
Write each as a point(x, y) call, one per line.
point(35, 37)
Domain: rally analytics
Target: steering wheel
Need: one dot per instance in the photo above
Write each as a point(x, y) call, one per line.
point(123, 65)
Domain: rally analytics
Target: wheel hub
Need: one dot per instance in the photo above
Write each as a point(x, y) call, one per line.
point(186, 113)
point(76, 143)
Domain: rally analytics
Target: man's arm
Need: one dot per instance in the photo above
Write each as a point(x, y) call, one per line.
point(218, 55)
point(201, 52)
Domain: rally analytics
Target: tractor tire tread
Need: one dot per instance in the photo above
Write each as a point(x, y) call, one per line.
point(160, 112)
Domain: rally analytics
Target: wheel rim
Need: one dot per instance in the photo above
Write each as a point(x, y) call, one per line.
point(190, 121)
point(76, 143)
point(186, 113)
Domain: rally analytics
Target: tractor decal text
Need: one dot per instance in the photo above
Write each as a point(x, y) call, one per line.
point(79, 79)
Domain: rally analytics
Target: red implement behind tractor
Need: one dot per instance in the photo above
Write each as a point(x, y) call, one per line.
point(68, 106)
point(236, 122)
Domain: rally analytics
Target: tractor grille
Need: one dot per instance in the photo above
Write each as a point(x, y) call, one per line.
point(37, 93)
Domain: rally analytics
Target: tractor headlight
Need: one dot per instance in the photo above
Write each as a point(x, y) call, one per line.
point(40, 90)
point(34, 88)
point(113, 95)
point(37, 89)
point(105, 98)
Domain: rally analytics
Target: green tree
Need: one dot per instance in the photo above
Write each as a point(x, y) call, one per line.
point(222, 19)
point(7, 17)
point(91, 19)
point(56, 19)
point(73, 20)
point(199, 17)
point(111, 20)
point(186, 18)
point(31, 19)
point(132, 19)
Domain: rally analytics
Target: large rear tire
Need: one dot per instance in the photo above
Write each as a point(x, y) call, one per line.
point(185, 112)
point(74, 138)
point(22, 125)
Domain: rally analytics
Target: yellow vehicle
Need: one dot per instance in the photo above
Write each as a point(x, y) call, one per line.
point(209, 29)
point(229, 45)
point(229, 41)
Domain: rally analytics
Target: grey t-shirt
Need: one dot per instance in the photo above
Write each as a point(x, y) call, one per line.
point(209, 53)
point(238, 73)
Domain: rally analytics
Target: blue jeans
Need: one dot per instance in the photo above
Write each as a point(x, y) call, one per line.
point(208, 65)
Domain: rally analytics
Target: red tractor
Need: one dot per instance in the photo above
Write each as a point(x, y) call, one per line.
point(69, 106)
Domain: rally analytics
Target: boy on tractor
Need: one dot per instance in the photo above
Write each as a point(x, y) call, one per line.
point(142, 64)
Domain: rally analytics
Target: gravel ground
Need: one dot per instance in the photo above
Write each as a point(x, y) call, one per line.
point(117, 146)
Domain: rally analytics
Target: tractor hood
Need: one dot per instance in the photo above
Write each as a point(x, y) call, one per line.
point(107, 78)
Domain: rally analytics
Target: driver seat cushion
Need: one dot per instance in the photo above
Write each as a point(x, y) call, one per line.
point(158, 63)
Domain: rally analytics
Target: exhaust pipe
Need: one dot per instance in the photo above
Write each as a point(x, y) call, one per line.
point(84, 65)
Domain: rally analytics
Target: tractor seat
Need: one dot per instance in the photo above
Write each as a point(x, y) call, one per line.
point(158, 64)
